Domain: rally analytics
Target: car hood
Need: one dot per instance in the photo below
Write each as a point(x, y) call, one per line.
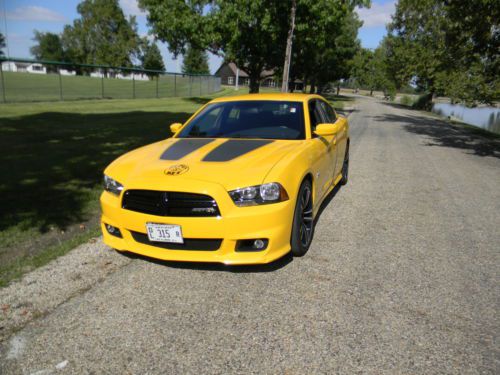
point(231, 163)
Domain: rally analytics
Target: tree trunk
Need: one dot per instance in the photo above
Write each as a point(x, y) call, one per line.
point(304, 85)
point(254, 84)
point(371, 92)
point(338, 90)
point(288, 53)
point(312, 90)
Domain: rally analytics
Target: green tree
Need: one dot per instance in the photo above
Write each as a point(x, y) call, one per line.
point(249, 32)
point(325, 40)
point(369, 70)
point(252, 33)
point(48, 47)
point(2, 45)
point(195, 62)
point(448, 47)
point(151, 58)
point(102, 35)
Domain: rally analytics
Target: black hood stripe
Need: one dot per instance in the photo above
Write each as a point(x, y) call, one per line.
point(233, 148)
point(183, 147)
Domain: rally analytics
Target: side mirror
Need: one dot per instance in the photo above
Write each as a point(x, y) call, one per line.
point(325, 129)
point(174, 128)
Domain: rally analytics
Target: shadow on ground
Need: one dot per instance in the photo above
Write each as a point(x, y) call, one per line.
point(440, 133)
point(219, 267)
point(51, 163)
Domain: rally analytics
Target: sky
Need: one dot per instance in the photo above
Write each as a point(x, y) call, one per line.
point(19, 18)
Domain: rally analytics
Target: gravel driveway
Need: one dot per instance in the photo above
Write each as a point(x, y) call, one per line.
point(402, 278)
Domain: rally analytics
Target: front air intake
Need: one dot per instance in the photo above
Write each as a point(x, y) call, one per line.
point(166, 203)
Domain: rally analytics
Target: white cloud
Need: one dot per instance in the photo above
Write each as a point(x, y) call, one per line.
point(378, 14)
point(35, 13)
point(131, 8)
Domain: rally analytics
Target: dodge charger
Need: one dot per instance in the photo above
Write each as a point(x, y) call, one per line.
point(240, 182)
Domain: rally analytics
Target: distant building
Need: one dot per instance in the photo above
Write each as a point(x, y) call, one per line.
point(228, 71)
point(134, 76)
point(23, 67)
point(67, 72)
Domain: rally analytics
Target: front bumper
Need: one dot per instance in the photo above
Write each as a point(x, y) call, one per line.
point(272, 222)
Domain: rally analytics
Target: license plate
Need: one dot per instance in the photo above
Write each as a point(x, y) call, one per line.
point(164, 233)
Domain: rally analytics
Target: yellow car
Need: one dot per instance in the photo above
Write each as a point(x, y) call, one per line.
point(239, 183)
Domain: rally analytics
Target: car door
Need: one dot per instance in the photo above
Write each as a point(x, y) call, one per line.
point(324, 150)
point(340, 136)
point(330, 118)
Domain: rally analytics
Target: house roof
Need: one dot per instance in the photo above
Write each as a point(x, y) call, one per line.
point(18, 64)
point(242, 73)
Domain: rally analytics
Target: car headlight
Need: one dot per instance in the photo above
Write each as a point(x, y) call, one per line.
point(112, 186)
point(259, 194)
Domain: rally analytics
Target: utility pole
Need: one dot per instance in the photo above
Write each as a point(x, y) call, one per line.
point(7, 43)
point(288, 53)
point(236, 87)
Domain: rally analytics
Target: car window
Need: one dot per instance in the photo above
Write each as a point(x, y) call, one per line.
point(267, 119)
point(315, 116)
point(206, 124)
point(328, 112)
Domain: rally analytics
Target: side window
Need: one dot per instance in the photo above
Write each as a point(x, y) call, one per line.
point(328, 112)
point(314, 114)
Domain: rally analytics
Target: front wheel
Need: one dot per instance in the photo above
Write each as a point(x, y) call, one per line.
point(303, 223)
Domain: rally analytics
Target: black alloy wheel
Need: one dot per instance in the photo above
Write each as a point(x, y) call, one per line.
point(303, 222)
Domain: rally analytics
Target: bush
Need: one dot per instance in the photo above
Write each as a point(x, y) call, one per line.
point(391, 93)
point(423, 102)
point(406, 101)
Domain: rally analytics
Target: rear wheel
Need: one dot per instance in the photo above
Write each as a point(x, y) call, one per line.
point(345, 167)
point(303, 223)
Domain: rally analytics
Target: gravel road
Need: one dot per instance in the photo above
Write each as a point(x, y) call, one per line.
point(402, 278)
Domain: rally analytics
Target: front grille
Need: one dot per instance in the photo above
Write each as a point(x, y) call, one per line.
point(200, 244)
point(163, 203)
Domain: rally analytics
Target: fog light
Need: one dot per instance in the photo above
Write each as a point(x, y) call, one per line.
point(114, 231)
point(259, 244)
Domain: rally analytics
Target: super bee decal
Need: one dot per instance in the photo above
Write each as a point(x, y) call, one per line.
point(176, 170)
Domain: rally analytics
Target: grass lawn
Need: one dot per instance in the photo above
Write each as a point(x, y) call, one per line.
point(52, 155)
point(28, 87)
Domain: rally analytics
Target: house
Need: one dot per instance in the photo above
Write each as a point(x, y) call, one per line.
point(23, 67)
point(133, 76)
point(67, 72)
point(97, 74)
point(228, 71)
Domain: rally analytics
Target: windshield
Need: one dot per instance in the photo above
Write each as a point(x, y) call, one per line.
point(248, 119)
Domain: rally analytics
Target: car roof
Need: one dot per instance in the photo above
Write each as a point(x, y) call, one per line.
point(291, 97)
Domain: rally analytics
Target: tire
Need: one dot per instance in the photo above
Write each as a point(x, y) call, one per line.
point(345, 167)
point(303, 223)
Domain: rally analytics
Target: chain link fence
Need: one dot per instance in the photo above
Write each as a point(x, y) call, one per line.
point(25, 80)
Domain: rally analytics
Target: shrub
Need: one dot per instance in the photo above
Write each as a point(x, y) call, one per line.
point(423, 102)
point(406, 101)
